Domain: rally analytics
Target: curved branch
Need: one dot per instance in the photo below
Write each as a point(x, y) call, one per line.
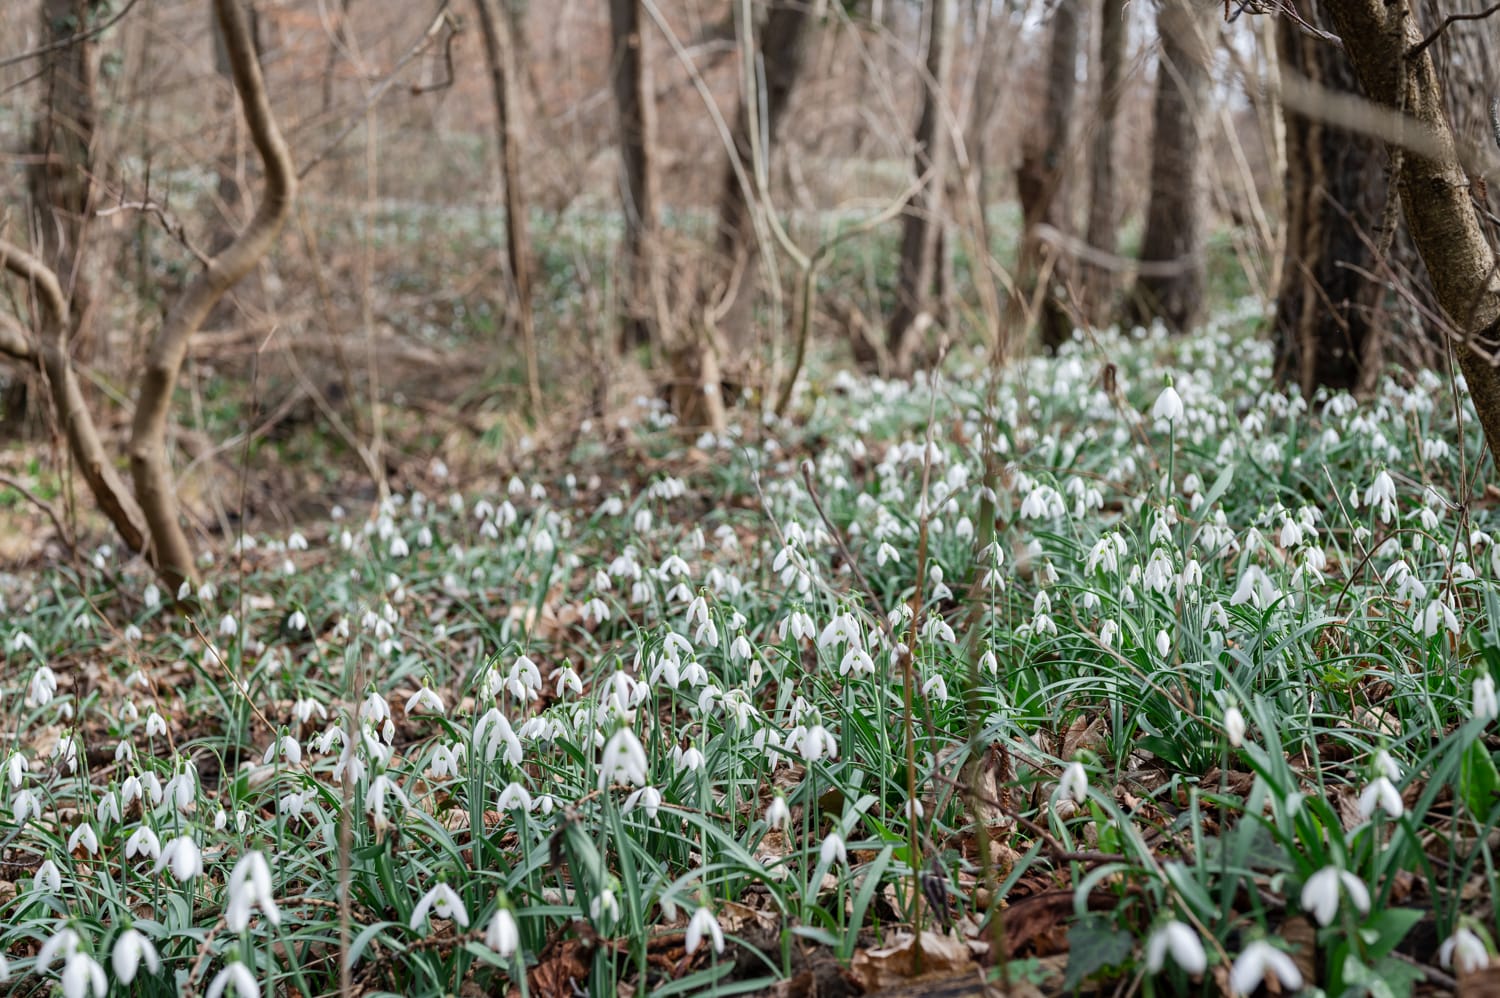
point(108, 489)
point(148, 453)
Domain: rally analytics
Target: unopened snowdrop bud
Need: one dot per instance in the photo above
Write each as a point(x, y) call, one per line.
point(1182, 943)
point(1234, 726)
point(502, 936)
point(1074, 785)
point(48, 878)
point(1486, 703)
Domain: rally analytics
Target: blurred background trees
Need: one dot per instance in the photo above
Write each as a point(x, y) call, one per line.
point(517, 217)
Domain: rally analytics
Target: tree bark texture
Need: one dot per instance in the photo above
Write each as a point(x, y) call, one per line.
point(1042, 176)
point(920, 268)
point(782, 53)
point(1174, 213)
point(1434, 190)
point(635, 102)
point(1102, 231)
point(500, 55)
point(1331, 319)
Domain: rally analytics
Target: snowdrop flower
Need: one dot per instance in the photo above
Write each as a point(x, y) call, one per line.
point(183, 857)
point(833, 850)
point(623, 760)
point(700, 925)
point(1386, 766)
point(143, 842)
point(1436, 616)
point(250, 888)
point(1486, 703)
point(491, 732)
point(1234, 726)
point(48, 878)
point(799, 624)
point(83, 836)
point(648, 799)
point(605, 907)
point(425, 700)
point(1382, 493)
point(234, 977)
point(502, 936)
point(442, 902)
point(1464, 951)
point(857, 661)
point(285, 747)
point(1182, 943)
point(1168, 407)
point(43, 687)
point(64, 942)
point(129, 950)
point(1381, 793)
point(81, 976)
point(514, 796)
point(1074, 785)
point(1320, 895)
point(778, 815)
point(689, 759)
point(1255, 962)
point(936, 688)
point(567, 679)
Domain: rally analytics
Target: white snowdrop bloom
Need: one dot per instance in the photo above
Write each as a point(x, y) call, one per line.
point(1109, 630)
point(817, 743)
point(130, 949)
point(1438, 615)
point(1485, 702)
point(567, 679)
point(82, 976)
point(740, 650)
point(1464, 952)
point(1256, 961)
point(446, 762)
point(43, 687)
point(62, 943)
point(1074, 784)
point(15, 769)
point(285, 748)
point(799, 624)
point(1163, 643)
point(108, 808)
point(250, 888)
point(1381, 793)
point(236, 978)
point(48, 877)
point(605, 907)
point(502, 935)
point(648, 799)
point(304, 709)
point(1184, 945)
point(623, 760)
point(703, 925)
point(856, 661)
point(1386, 766)
point(83, 837)
point(1256, 588)
point(1168, 406)
point(1382, 494)
point(988, 662)
point(228, 626)
point(143, 842)
point(183, 857)
point(514, 796)
point(1321, 893)
point(833, 850)
point(778, 815)
point(442, 902)
point(131, 634)
point(936, 688)
point(382, 793)
point(425, 700)
point(689, 759)
point(1234, 726)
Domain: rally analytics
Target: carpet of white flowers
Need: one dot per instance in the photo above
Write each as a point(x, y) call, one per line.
point(1212, 702)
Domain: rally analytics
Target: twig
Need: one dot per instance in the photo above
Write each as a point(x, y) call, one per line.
point(69, 41)
point(43, 505)
point(1478, 15)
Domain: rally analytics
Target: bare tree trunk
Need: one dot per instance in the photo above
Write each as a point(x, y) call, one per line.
point(499, 52)
point(1042, 177)
point(60, 179)
point(922, 224)
point(782, 51)
point(1435, 192)
point(1330, 317)
point(630, 74)
point(1104, 219)
point(154, 487)
point(1174, 214)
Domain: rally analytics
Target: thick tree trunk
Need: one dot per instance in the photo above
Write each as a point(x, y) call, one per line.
point(1330, 317)
point(1435, 191)
point(60, 179)
point(922, 225)
point(782, 49)
point(500, 55)
point(1042, 176)
point(1174, 215)
point(1104, 212)
point(630, 76)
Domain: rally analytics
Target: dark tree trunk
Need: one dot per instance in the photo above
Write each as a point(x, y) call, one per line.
point(782, 49)
point(922, 224)
point(1104, 212)
point(1174, 215)
point(630, 77)
point(1042, 176)
point(1331, 318)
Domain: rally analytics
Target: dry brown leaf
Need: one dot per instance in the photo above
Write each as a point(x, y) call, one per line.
point(895, 963)
point(1483, 983)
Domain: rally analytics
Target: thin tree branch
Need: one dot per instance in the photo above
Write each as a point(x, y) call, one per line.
point(44, 506)
point(71, 40)
point(1477, 15)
